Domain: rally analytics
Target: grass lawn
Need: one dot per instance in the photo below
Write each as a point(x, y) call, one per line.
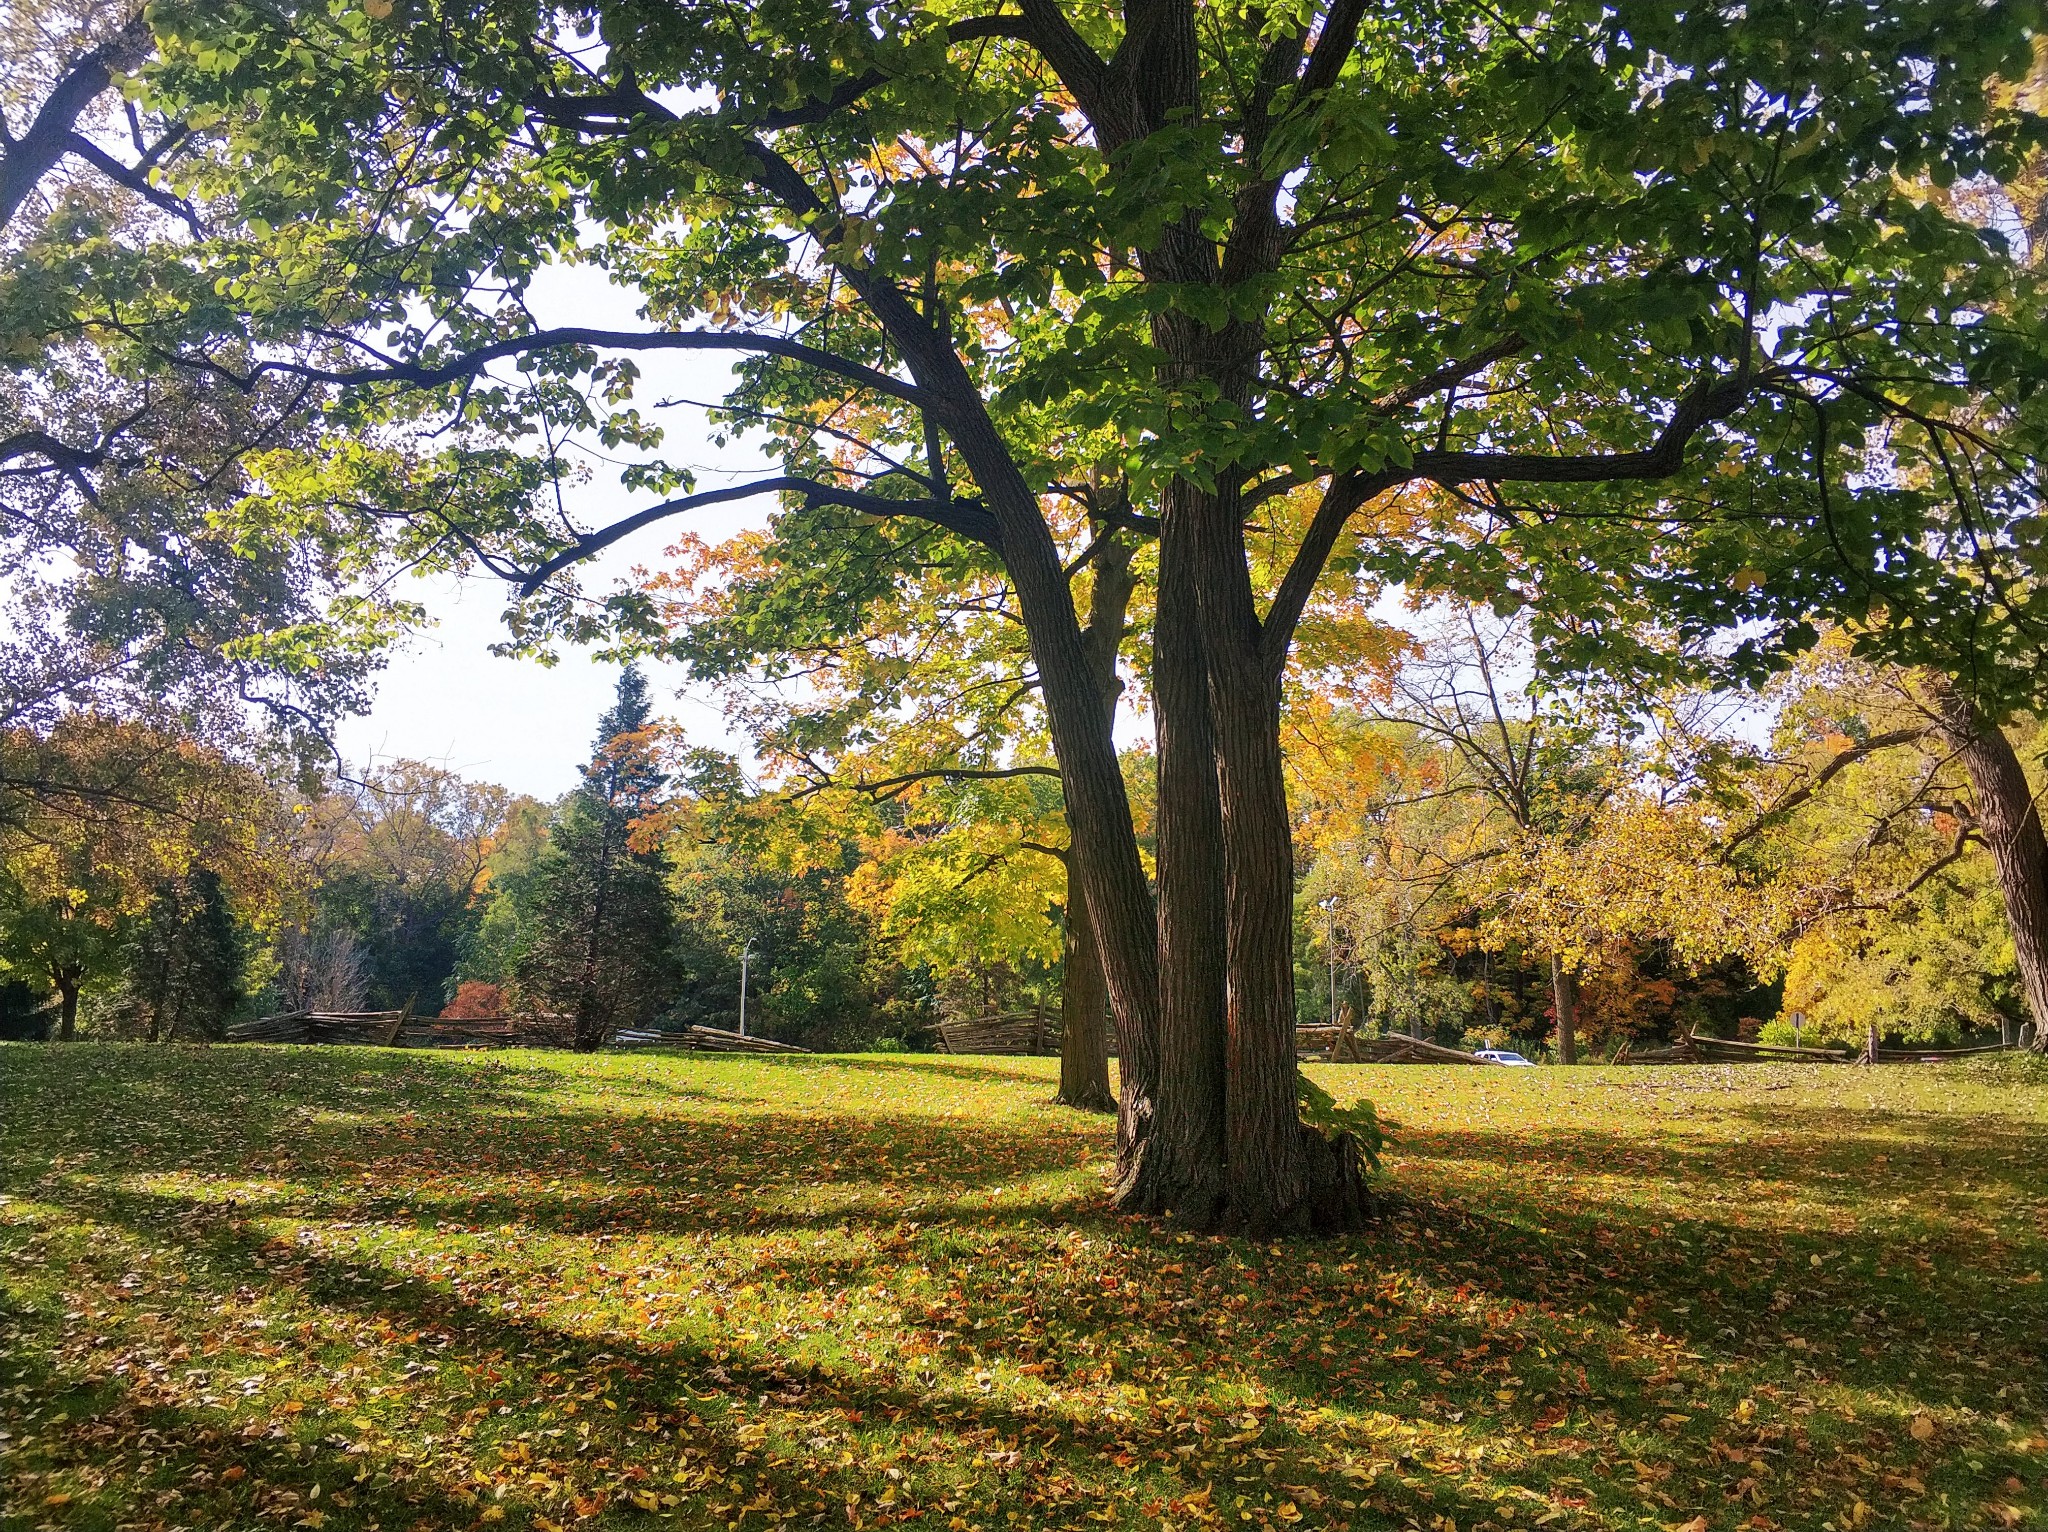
point(349, 1288)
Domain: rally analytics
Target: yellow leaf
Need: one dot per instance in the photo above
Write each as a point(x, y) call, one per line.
point(1923, 1428)
point(647, 1500)
point(493, 1513)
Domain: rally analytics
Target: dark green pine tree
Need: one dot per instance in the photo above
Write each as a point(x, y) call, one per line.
point(185, 960)
point(600, 917)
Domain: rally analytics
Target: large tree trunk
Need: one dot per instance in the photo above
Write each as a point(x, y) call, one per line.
point(1177, 1166)
point(1084, 1011)
point(1103, 857)
point(1084, 993)
point(1241, 1156)
point(67, 1015)
point(1281, 1176)
point(2010, 822)
point(1566, 1004)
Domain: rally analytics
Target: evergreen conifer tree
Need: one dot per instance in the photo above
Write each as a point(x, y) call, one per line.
point(185, 960)
point(601, 918)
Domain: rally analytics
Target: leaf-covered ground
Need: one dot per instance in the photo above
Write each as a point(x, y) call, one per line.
point(265, 1287)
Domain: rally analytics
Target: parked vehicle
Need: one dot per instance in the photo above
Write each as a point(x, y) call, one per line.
point(1502, 1056)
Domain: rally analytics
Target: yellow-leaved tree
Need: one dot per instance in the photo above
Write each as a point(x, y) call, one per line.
point(98, 815)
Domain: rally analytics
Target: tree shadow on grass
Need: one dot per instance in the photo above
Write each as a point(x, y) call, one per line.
point(657, 1394)
point(1599, 1303)
point(1732, 1278)
point(120, 1458)
point(1841, 1153)
point(583, 1172)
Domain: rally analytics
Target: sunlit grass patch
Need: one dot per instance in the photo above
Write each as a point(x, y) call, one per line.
point(353, 1288)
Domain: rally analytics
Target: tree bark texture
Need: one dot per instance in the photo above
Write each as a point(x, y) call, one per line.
point(1567, 1007)
point(1280, 1176)
point(1084, 995)
point(1176, 1165)
point(67, 1015)
point(2010, 821)
point(1084, 1013)
point(1103, 858)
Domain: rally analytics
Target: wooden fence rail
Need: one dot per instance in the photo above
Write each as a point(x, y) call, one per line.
point(401, 1029)
point(1029, 1033)
point(701, 1040)
point(1343, 1045)
point(1695, 1049)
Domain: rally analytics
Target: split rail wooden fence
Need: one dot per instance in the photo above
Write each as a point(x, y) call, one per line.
point(1694, 1049)
point(402, 1029)
point(1023, 1033)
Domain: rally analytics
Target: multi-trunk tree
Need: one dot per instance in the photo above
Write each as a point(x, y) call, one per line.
point(1321, 250)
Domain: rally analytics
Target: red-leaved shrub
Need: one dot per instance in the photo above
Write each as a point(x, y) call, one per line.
point(475, 998)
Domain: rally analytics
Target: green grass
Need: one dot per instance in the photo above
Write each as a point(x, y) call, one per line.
point(255, 1288)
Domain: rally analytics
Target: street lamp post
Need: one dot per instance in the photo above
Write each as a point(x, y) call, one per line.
point(746, 953)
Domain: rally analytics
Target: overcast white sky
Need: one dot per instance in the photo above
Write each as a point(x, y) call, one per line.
point(446, 698)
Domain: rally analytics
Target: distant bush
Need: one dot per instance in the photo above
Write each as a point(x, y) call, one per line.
point(475, 998)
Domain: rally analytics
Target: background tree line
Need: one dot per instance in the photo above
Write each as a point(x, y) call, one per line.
point(1108, 356)
point(1482, 854)
point(178, 884)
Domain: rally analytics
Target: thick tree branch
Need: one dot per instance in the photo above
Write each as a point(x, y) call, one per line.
point(50, 137)
point(136, 181)
point(1838, 764)
point(1345, 496)
point(1080, 68)
point(1332, 46)
point(1451, 374)
point(965, 518)
point(1711, 399)
point(57, 453)
point(469, 363)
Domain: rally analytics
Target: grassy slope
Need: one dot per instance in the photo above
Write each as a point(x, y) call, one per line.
point(351, 1288)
